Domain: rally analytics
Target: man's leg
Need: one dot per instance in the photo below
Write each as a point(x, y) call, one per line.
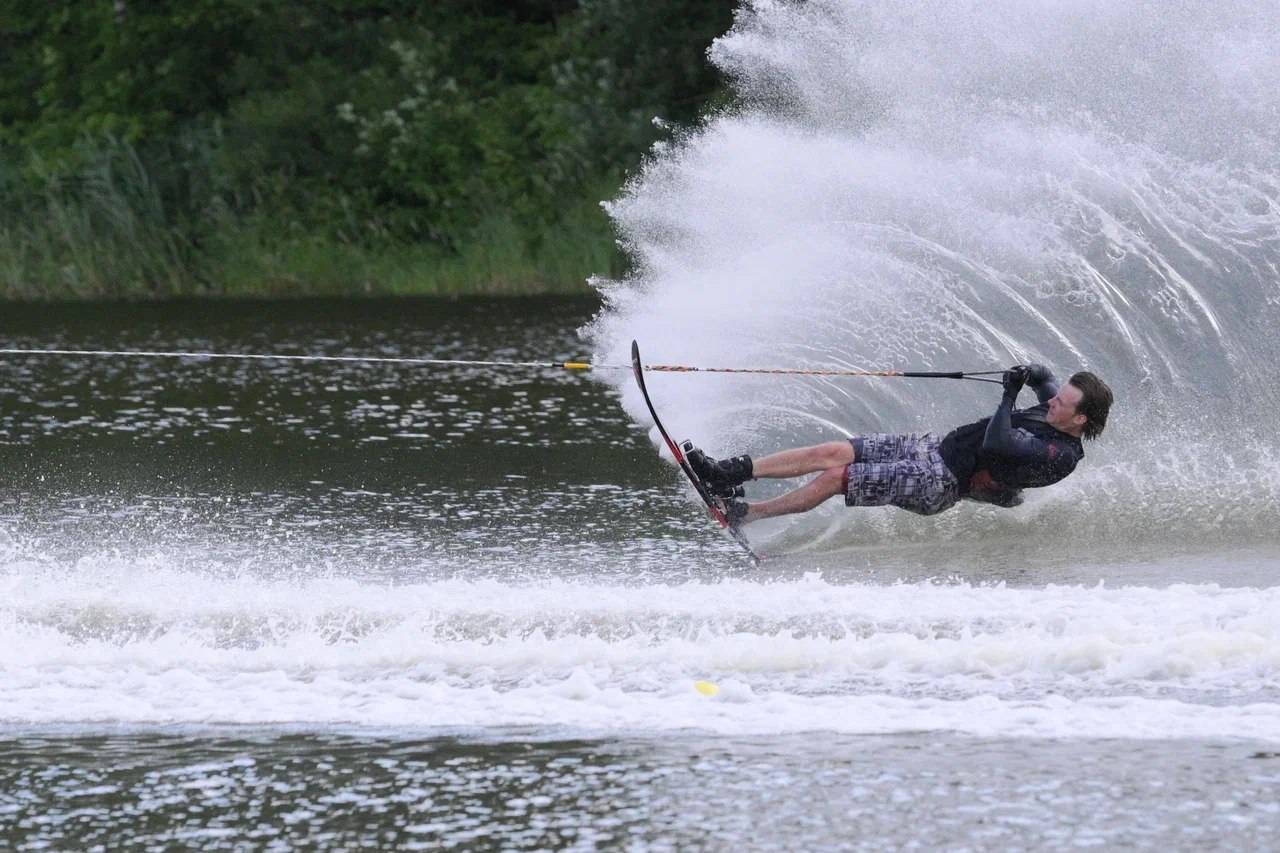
point(725, 474)
point(826, 485)
point(804, 460)
point(894, 477)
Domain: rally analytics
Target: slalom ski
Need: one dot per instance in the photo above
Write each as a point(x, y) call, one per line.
point(713, 503)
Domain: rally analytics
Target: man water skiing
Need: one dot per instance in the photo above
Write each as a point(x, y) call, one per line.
point(991, 460)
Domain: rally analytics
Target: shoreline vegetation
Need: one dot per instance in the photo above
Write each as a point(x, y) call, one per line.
point(209, 148)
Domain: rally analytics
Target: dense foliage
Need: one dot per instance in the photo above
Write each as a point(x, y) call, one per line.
point(250, 146)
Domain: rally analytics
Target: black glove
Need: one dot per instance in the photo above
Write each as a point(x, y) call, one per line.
point(1038, 374)
point(1014, 378)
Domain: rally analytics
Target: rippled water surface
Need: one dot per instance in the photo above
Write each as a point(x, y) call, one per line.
point(286, 464)
point(217, 791)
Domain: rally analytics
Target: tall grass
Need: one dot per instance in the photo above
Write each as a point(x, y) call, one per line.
point(104, 233)
point(500, 257)
point(125, 228)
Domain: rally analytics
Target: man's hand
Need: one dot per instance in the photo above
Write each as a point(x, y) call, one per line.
point(1014, 378)
point(1038, 374)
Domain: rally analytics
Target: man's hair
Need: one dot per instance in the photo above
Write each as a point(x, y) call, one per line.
point(1095, 402)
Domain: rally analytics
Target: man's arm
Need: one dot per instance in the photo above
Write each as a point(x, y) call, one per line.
point(1001, 437)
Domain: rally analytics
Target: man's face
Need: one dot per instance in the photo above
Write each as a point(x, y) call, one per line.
point(1062, 409)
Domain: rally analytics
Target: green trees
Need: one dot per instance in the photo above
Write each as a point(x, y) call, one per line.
point(248, 146)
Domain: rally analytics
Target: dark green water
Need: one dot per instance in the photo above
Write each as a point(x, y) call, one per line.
point(373, 459)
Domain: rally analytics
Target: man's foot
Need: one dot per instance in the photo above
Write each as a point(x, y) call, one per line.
point(735, 511)
point(722, 476)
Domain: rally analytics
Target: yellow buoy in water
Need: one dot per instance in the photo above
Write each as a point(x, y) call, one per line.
point(706, 688)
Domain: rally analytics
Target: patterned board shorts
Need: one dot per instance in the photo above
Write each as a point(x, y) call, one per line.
point(902, 469)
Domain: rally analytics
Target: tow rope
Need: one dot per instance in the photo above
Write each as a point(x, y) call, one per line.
point(544, 365)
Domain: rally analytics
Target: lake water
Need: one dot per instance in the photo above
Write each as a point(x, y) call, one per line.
point(268, 605)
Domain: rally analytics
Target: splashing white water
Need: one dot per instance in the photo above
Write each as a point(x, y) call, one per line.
point(1086, 185)
point(137, 643)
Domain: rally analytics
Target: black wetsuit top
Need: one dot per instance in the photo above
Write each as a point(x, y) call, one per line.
point(995, 458)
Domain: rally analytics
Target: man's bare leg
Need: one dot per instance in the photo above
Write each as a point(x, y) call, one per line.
point(803, 460)
point(826, 485)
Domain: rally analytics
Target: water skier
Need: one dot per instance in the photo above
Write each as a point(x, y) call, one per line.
point(991, 460)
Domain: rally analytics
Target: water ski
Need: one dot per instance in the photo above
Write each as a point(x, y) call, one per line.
point(714, 504)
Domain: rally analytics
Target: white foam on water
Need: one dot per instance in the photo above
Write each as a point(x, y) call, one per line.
point(129, 643)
